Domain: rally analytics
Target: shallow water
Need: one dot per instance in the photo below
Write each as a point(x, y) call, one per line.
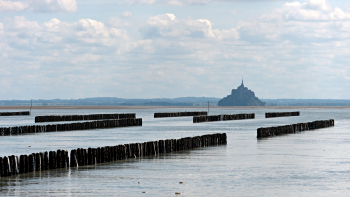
point(310, 163)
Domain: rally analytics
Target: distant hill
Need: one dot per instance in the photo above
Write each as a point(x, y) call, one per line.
point(182, 101)
point(114, 101)
point(307, 102)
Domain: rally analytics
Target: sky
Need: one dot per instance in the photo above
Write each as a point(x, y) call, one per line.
point(70, 49)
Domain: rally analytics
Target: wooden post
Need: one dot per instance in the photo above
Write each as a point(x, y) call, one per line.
point(98, 156)
point(94, 157)
point(89, 156)
point(73, 158)
point(42, 162)
point(21, 164)
point(1, 167)
point(52, 160)
point(31, 165)
point(46, 161)
point(13, 165)
point(5, 170)
point(37, 162)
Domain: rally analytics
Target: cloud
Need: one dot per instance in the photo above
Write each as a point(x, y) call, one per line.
point(317, 5)
point(126, 14)
point(85, 58)
point(117, 22)
point(307, 22)
point(1, 30)
point(185, 2)
point(44, 6)
point(92, 31)
point(311, 10)
point(20, 23)
point(53, 5)
point(55, 38)
point(167, 25)
point(21, 34)
point(12, 6)
point(168, 2)
point(299, 50)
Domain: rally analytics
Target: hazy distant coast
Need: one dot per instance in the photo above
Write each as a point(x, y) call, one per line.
point(165, 102)
point(169, 107)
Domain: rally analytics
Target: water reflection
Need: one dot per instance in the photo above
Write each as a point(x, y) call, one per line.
point(66, 181)
point(310, 163)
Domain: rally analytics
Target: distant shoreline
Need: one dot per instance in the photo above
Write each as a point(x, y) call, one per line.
point(171, 107)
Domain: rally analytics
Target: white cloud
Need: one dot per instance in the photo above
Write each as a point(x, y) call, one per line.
point(207, 30)
point(54, 39)
point(126, 14)
point(92, 31)
point(309, 10)
point(185, 2)
point(307, 22)
point(12, 6)
point(303, 45)
point(162, 20)
point(226, 34)
point(39, 6)
point(22, 24)
point(167, 25)
point(317, 5)
point(55, 25)
point(169, 2)
point(84, 58)
point(117, 22)
point(53, 5)
point(143, 2)
point(91, 28)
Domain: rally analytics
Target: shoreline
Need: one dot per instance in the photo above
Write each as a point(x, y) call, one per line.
point(173, 107)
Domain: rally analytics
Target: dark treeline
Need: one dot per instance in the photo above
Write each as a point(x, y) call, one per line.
point(281, 114)
point(178, 114)
point(20, 113)
point(66, 118)
point(13, 165)
point(71, 126)
point(293, 128)
point(224, 117)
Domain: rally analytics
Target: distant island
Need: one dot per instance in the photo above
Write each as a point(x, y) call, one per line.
point(241, 96)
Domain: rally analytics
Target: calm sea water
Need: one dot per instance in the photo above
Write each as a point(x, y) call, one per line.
point(311, 163)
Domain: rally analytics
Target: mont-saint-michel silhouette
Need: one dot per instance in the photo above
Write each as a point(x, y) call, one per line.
point(241, 96)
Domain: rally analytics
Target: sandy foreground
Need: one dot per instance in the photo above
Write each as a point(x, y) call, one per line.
point(170, 107)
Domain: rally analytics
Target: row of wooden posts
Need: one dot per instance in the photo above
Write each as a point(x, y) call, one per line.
point(66, 118)
point(178, 114)
point(281, 114)
point(72, 126)
point(224, 117)
point(19, 113)
point(293, 128)
point(13, 165)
